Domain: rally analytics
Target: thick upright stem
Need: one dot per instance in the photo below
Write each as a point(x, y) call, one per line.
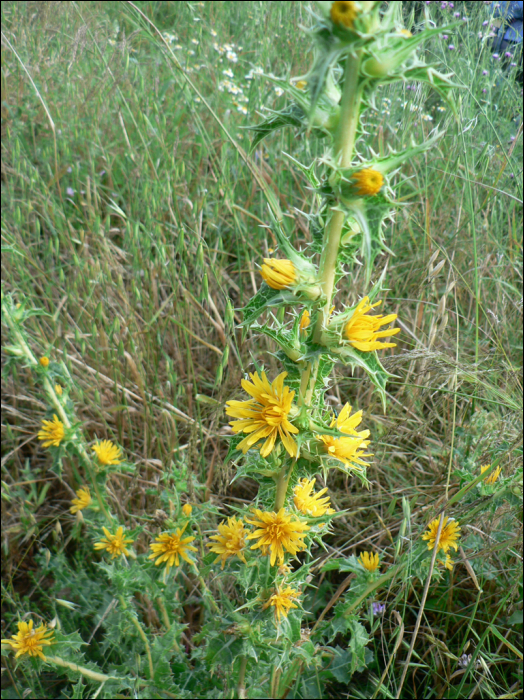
point(349, 112)
point(282, 482)
point(344, 143)
point(241, 687)
point(343, 153)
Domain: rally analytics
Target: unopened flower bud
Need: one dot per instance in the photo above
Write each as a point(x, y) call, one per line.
point(278, 274)
point(366, 182)
point(305, 320)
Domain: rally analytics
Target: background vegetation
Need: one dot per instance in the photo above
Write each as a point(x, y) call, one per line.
point(131, 218)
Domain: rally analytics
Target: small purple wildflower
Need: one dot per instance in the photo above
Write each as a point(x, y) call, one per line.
point(464, 19)
point(508, 54)
point(484, 90)
point(513, 65)
point(496, 56)
point(456, 14)
point(512, 175)
point(452, 4)
point(464, 660)
point(451, 47)
point(445, 37)
point(485, 23)
point(484, 72)
point(69, 191)
point(378, 608)
point(443, 5)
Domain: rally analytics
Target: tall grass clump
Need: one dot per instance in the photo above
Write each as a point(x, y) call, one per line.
point(262, 385)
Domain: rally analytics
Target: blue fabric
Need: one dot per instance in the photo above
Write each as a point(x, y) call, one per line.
point(512, 14)
point(514, 32)
point(508, 10)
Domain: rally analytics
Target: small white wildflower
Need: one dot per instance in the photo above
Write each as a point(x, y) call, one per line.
point(279, 91)
point(231, 56)
point(195, 42)
point(228, 72)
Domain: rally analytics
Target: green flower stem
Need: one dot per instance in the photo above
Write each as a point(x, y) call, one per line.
point(57, 406)
point(344, 143)
point(349, 111)
point(241, 687)
point(282, 483)
point(167, 622)
point(87, 672)
point(135, 622)
point(343, 153)
point(275, 681)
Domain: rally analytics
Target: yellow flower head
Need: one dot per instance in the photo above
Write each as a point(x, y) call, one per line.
point(276, 532)
point(449, 563)
point(350, 450)
point(30, 641)
point(106, 452)
point(52, 432)
point(278, 274)
point(170, 547)
point(308, 504)
point(368, 181)
point(344, 12)
point(347, 423)
point(492, 478)
point(187, 509)
point(363, 331)
point(305, 320)
point(448, 536)
point(265, 416)
point(231, 540)
point(369, 561)
point(282, 601)
point(405, 32)
point(58, 390)
point(83, 500)
point(114, 544)
point(44, 361)
point(301, 84)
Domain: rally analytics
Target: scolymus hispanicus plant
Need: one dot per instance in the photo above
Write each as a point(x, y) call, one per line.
point(286, 436)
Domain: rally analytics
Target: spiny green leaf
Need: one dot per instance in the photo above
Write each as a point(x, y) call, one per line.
point(291, 116)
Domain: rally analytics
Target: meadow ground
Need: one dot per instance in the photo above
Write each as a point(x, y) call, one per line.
point(130, 218)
